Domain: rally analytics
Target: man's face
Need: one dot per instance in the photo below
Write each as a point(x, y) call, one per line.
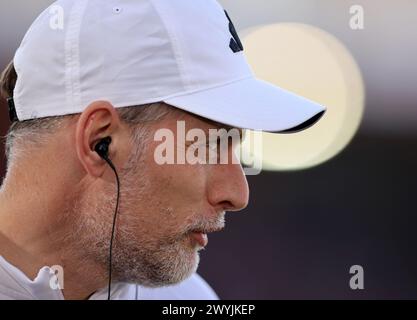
point(166, 210)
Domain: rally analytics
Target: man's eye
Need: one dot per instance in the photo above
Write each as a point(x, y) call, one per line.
point(214, 144)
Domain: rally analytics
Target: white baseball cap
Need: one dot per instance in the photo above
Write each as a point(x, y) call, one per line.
point(185, 53)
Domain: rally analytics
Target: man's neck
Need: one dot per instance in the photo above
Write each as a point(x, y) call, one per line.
point(32, 235)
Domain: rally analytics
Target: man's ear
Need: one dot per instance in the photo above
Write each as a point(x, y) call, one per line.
point(97, 121)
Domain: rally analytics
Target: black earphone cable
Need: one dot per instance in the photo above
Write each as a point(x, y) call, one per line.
point(114, 222)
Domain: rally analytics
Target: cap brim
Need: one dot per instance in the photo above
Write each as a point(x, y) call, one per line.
point(252, 104)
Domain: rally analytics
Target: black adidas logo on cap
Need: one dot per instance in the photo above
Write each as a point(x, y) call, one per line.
point(235, 43)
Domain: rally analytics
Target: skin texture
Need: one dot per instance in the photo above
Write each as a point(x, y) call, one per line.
point(57, 204)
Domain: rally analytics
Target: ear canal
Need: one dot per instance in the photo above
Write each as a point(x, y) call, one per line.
point(102, 147)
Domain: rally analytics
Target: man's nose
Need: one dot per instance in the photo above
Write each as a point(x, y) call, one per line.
point(228, 187)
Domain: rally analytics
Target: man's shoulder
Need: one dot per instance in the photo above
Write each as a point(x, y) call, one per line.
point(193, 288)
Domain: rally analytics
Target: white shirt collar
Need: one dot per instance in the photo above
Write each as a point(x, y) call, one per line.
point(14, 284)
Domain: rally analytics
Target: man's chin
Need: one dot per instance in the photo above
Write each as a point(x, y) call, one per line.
point(165, 269)
point(185, 268)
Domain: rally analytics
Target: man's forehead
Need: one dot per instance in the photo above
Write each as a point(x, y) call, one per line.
point(210, 124)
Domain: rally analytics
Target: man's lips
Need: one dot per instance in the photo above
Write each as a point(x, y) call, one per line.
point(200, 236)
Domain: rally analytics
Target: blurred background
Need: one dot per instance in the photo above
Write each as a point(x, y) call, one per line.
point(305, 227)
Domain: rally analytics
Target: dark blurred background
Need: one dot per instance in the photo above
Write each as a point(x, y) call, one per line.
point(303, 230)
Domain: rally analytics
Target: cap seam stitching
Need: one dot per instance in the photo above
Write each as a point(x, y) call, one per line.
point(179, 59)
point(72, 56)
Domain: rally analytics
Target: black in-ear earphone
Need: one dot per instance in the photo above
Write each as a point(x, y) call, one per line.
point(102, 148)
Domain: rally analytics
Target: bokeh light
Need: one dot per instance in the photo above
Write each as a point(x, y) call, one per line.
point(312, 63)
